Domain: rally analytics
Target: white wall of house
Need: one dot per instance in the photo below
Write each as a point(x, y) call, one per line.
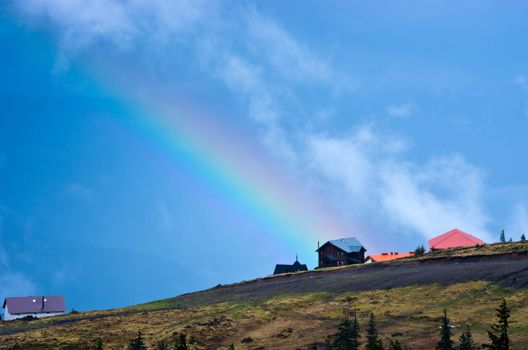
point(9, 317)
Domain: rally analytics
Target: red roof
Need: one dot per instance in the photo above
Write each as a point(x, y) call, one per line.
point(454, 238)
point(33, 305)
point(388, 256)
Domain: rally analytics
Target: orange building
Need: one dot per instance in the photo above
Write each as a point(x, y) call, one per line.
point(387, 257)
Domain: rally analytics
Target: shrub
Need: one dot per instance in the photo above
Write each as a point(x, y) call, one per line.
point(247, 340)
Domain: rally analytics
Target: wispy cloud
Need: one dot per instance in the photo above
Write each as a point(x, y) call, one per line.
point(262, 64)
point(403, 110)
point(287, 55)
point(428, 199)
point(121, 24)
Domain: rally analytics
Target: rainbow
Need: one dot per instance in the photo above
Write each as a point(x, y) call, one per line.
point(208, 150)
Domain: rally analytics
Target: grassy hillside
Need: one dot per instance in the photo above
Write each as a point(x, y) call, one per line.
point(299, 310)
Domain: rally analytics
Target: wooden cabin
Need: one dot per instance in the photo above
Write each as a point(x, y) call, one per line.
point(339, 252)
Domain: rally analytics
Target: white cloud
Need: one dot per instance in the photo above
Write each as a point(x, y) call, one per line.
point(402, 111)
point(286, 54)
point(246, 80)
point(82, 24)
point(221, 42)
point(443, 194)
point(341, 160)
point(367, 169)
point(427, 199)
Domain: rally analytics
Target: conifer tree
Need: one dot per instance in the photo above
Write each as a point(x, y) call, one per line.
point(502, 237)
point(420, 251)
point(355, 333)
point(347, 336)
point(466, 340)
point(181, 343)
point(445, 342)
point(498, 335)
point(99, 344)
point(373, 340)
point(232, 347)
point(343, 337)
point(395, 345)
point(137, 343)
point(523, 238)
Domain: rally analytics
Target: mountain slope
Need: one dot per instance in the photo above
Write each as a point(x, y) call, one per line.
point(299, 310)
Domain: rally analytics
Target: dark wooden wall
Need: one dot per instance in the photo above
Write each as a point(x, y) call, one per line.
point(340, 255)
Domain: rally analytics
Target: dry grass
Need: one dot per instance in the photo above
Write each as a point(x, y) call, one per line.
point(292, 321)
point(485, 249)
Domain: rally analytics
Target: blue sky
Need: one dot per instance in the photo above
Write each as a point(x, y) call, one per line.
point(389, 121)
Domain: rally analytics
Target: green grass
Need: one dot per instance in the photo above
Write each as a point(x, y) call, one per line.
point(411, 313)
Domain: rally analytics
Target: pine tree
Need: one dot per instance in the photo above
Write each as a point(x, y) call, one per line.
point(498, 335)
point(373, 340)
point(232, 347)
point(466, 340)
point(355, 333)
point(99, 344)
point(343, 337)
point(445, 342)
point(347, 336)
point(181, 343)
point(419, 251)
point(502, 237)
point(523, 238)
point(395, 345)
point(137, 343)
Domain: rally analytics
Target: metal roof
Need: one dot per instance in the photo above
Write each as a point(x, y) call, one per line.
point(349, 245)
point(32, 305)
point(388, 256)
point(454, 238)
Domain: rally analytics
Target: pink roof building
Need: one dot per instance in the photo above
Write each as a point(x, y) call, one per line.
point(454, 238)
point(35, 306)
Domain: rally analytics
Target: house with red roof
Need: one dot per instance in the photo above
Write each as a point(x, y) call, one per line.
point(43, 306)
point(454, 238)
point(372, 258)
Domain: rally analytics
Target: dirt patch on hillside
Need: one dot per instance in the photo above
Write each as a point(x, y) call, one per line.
point(508, 270)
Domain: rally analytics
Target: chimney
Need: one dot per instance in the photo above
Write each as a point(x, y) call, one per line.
point(318, 245)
